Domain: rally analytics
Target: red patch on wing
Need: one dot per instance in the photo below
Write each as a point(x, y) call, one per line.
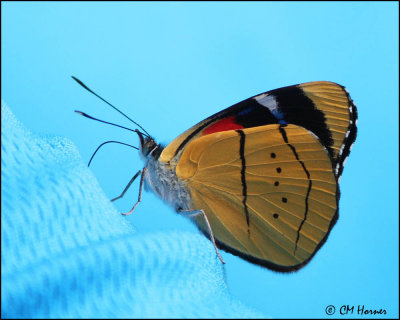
point(222, 125)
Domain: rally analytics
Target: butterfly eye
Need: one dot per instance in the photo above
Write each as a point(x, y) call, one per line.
point(149, 147)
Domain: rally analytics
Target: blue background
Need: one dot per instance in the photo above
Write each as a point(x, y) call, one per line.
point(170, 65)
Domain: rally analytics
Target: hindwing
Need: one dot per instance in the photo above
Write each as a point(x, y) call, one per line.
point(269, 192)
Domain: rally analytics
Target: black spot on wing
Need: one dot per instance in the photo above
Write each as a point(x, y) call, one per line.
point(284, 135)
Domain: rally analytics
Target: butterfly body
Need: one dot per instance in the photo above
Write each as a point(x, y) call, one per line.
point(264, 172)
point(160, 177)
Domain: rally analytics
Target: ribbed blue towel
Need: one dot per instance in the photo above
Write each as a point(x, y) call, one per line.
point(67, 253)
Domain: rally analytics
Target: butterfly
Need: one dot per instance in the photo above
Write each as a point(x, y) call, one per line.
point(260, 178)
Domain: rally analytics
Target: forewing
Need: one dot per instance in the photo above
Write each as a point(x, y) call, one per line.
point(322, 107)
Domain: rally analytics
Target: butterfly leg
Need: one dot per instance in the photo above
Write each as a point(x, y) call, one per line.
point(127, 187)
point(140, 192)
point(196, 212)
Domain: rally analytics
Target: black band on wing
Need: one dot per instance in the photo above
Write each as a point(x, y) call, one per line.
point(292, 103)
point(243, 177)
point(300, 110)
point(248, 113)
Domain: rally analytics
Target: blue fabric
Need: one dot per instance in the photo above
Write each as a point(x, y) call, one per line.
point(66, 252)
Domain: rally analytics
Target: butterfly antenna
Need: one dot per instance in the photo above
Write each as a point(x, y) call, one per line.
point(84, 86)
point(110, 142)
point(113, 124)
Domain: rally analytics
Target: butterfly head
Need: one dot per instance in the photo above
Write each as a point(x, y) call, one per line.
point(148, 147)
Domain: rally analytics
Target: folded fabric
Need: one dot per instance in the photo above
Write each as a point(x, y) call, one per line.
point(67, 253)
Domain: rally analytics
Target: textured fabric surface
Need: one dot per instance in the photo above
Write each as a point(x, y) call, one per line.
point(66, 252)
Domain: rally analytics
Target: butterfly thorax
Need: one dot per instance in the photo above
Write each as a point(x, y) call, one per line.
point(161, 178)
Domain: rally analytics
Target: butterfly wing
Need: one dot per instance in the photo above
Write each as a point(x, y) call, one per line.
point(322, 107)
point(269, 192)
point(340, 119)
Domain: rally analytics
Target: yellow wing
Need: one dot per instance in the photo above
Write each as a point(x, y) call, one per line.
point(269, 192)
